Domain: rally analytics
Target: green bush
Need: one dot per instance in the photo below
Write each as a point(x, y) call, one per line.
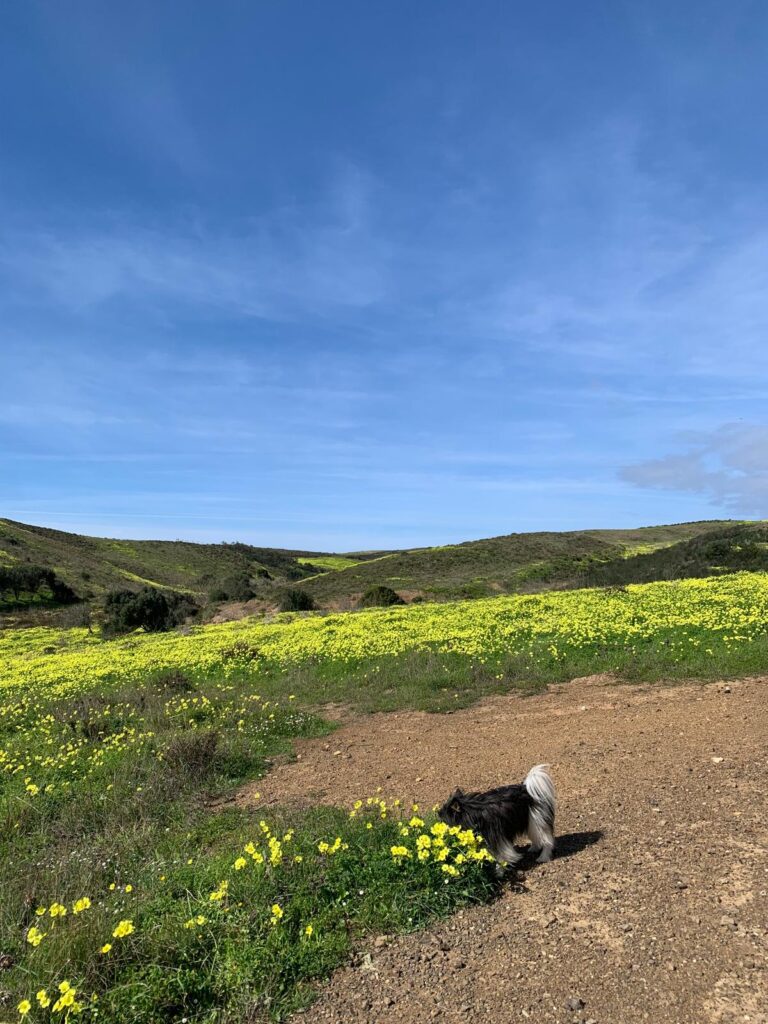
point(380, 597)
point(148, 609)
point(296, 601)
point(27, 584)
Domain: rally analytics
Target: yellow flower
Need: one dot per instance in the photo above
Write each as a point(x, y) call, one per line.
point(124, 928)
point(277, 913)
point(35, 936)
point(81, 905)
point(106, 947)
point(57, 910)
point(308, 931)
point(240, 863)
point(43, 998)
point(129, 888)
point(24, 1007)
point(218, 894)
point(66, 999)
point(400, 851)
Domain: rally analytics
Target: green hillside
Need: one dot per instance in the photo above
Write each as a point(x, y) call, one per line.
point(735, 548)
point(518, 562)
point(93, 565)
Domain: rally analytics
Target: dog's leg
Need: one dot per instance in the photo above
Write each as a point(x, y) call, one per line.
point(540, 834)
point(542, 840)
point(506, 854)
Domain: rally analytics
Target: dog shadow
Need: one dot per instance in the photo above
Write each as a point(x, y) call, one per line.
point(574, 842)
point(565, 846)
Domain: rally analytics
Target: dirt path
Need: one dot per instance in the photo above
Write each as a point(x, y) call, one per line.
point(657, 907)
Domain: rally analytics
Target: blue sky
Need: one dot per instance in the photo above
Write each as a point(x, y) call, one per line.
point(353, 275)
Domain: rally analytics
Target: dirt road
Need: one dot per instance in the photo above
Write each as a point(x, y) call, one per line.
point(655, 909)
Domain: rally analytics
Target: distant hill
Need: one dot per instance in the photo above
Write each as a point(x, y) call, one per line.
point(515, 563)
point(93, 565)
point(736, 548)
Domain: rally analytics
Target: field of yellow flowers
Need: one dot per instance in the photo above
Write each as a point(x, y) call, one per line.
point(126, 897)
point(684, 622)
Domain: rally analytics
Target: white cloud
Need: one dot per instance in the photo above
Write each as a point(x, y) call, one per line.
point(728, 466)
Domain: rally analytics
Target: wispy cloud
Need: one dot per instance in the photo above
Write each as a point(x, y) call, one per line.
point(279, 266)
point(728, 466)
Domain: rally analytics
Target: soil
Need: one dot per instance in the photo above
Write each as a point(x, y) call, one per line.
point(655, 908)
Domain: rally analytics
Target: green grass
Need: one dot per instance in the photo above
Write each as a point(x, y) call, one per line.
point(331, 562)
point(122, 814)
point(439, 682)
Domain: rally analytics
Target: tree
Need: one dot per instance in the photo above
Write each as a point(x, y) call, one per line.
point(35, 581)
point(296, 601)
point(380, 597)
point(149, 609)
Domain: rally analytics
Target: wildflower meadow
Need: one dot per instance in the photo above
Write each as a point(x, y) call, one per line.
point(129, 894)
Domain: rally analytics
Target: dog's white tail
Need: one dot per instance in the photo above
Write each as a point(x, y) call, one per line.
point(541, 817)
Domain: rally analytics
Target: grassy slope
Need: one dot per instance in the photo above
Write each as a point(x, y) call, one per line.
point(96, 564)
point(513, 563)
point(736, 548)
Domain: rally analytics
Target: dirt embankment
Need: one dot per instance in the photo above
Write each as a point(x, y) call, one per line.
point(655, 910)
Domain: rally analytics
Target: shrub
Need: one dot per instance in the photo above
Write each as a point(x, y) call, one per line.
point(238, 587)
point(380, 597)
point(36, 583)
point(296, 601)
point(192, 755)
point(148, 609)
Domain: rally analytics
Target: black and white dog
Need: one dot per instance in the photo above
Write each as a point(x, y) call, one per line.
point(503, 815)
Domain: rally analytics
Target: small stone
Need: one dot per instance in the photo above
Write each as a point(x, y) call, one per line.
point(380, 940)
point(717, 760)
point(574, 1003)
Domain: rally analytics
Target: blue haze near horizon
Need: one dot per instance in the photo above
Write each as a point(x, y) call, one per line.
point(346, 276)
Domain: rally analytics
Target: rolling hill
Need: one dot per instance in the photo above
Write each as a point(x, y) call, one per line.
point(93, 565)
point(515, 563)
point(518, 562)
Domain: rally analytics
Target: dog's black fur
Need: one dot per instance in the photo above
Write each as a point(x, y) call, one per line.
point(501, 816)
